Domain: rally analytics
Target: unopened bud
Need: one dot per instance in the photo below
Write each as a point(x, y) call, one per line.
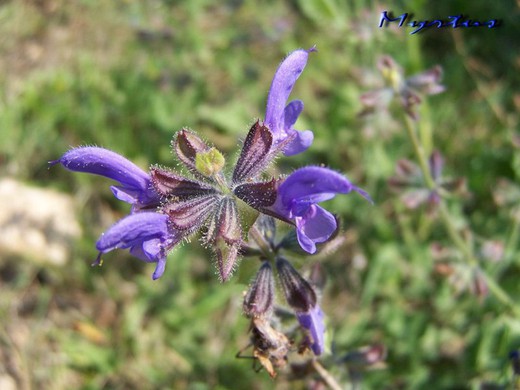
point(187, 145)
point(209, 163)
point(299, 293)
point(259, 300)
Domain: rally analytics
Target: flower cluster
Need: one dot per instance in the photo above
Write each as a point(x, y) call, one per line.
point(410, 183)
point(407, 91)
point(169, 207)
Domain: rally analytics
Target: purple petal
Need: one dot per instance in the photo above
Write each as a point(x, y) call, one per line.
point(291, 113)
point(135, 182)
point(313, 322)
point(309, 185)
point(316, 226)
point(134, 230)
point(300, 142)
point(146, 234)
point(285, 77)
point(159, 268)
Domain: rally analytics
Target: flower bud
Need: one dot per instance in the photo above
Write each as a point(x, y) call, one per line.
point(209, 163)
point(299, 293)
point(187, 145)
point(259, 300)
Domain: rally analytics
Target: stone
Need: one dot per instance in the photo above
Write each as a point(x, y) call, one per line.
point(37, 223)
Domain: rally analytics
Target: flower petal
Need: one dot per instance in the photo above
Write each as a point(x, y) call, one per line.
point(285, 77)
point(133, 230)
point(316, 226)
point(136, 187)
point(310, 185)
point(291, 113)
point(312, 321)
point(300, 142)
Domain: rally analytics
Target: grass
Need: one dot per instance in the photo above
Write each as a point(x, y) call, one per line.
point(126, 75)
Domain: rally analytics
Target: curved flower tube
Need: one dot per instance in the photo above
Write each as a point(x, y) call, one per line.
point(135, 187)
point(280, 116)
point(146, 234)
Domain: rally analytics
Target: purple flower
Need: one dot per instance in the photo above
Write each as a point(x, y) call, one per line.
point(280, 116)
point(297, 200)
point(135, 184)
point(147, 234)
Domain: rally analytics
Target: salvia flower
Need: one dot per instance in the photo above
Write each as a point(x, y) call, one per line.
point(297, 200)
point(280, 117)
point(407, 91)
point(146, 234)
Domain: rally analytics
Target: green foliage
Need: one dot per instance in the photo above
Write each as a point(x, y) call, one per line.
point(129, 79)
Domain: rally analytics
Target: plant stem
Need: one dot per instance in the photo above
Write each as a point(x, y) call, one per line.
point(331, 382)
point(262, 243)
point(452, 231)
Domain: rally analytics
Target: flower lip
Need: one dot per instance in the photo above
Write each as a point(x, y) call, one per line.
point(280, 116)
point(135, 183)
point(146, 234)
point(297, 198)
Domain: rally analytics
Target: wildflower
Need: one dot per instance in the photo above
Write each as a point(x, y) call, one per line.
point(146, 234)
point(410, 183)
point(280, 117)
point(297, 198)
point(407, 91)
point(224, 208)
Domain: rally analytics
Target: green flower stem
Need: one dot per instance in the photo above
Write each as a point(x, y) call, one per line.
point(262, 243)
point(449, 224)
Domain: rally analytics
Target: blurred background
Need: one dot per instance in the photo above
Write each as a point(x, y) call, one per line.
point(126, 75)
